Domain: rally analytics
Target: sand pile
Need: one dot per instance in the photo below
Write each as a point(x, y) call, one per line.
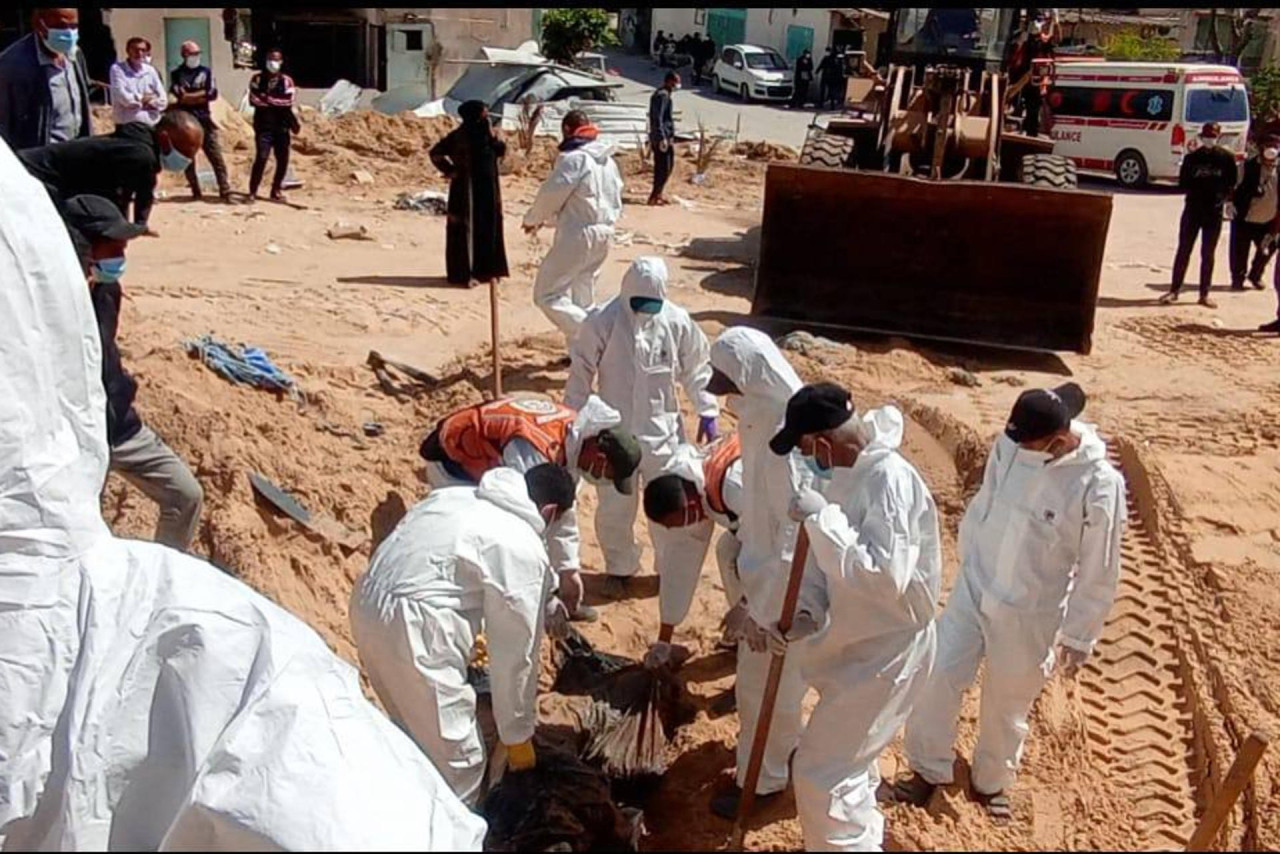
point(392, 149)
point(766, 151)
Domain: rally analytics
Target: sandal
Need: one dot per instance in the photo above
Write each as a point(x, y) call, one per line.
point(997, 805)
point(914, 790)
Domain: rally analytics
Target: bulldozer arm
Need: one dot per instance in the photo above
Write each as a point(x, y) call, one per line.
point(1007, 265)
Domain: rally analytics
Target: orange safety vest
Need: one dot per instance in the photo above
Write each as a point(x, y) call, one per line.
point(474, 437)
point(716, 466)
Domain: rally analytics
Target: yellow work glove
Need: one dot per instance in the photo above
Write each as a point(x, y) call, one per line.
point(520, 757)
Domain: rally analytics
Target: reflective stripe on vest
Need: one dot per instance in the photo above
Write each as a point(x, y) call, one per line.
point(714, 469)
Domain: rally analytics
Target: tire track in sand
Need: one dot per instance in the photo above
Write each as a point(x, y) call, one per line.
point(1136, 702)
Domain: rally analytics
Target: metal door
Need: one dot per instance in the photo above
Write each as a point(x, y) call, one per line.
point(408, 46)
point(799, 39)
point(727, 26)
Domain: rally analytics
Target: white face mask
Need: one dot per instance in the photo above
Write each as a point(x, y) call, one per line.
point(192, 61)
point(146, 59)
point(273, 65)
point(1270, 154)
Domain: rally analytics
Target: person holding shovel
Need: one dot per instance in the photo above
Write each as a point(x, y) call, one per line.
point(869, 593)
point(475, 249)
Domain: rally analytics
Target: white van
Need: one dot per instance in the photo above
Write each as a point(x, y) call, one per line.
point(1136, 120)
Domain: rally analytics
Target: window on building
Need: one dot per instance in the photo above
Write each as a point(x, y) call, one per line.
point(413, 40)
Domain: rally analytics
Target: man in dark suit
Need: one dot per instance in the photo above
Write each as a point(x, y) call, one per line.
point(44, 84)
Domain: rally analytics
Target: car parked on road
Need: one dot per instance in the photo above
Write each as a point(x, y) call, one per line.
point(753, 73)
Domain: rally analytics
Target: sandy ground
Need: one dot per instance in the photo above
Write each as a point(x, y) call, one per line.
point(1125, 758)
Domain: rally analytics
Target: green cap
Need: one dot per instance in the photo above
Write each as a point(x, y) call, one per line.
point(622, 450)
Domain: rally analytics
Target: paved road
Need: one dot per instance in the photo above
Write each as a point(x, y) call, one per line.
point(720, 112)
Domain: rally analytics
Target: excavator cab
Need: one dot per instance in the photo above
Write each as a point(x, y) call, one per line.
point(953, 222)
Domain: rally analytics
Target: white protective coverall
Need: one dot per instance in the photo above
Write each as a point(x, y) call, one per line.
point(872, 583)
point(562, 538)
point(636, 360)
point(583, 199)
point(680, 564)
point(148, 700)
point(753, 362)
point(466, 559)
point(1040, 561)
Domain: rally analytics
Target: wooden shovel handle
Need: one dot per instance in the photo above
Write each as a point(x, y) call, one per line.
point(1238, 777)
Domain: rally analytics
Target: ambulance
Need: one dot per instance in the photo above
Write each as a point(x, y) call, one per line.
point(1137, 120)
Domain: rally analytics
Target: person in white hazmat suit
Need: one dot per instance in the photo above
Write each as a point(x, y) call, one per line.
point(521, 433)
point(748, 365)
point(582, 197)
point(466, 560)
point(697, 490)
point(1039, 564)
point(867, 597)
point(636, 348)
point(149, 701)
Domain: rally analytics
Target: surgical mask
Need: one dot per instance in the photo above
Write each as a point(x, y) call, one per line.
point(146, 59)
point(62, 40)
point(1270, 153)
point(646, 305)
point(819, 471)
point(273, 65)
point(1209, 141)
point(192, 61)
point(107, 270)
point(174, 160)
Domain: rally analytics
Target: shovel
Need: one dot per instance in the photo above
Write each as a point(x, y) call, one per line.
point(325, 526)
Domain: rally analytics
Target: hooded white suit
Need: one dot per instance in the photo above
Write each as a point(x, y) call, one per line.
point(636, 360)
point(753, 362)
point(148, 700)
point(583, 198)
point(872, 582)
point(1040, 560)
point(465, 560)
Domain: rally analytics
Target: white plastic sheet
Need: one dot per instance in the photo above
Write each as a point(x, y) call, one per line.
point(147, 700)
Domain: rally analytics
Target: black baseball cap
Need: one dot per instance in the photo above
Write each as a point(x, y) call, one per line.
point(812, 409)
point(1041, 412)
point(1212, 129)
point(97, 218)
point(622, 450)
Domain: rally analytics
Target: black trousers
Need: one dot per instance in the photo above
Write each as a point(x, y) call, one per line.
point(1246, 236)
point(213, 151)
point(1207, 225)
point(801, 93)
point(664, 162)
point(267, 141)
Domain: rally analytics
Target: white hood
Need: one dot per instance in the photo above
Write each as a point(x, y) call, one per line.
point(598, 150)
point(646, 277)
point(53, 439)
point(506, 488)
point(882, 430)
point(756, 365)
point(686, 462)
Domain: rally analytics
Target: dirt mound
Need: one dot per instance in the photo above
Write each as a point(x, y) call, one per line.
point(394, 150)
point(766, 151)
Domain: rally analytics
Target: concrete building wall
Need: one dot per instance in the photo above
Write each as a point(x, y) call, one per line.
point(768, 27)
point(462, 32)
point(677, 22)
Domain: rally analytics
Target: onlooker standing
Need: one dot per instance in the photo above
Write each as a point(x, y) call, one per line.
point(1255, 203)
point(804, 78)
point(474, 248)
point(193, 88)
point(44, 84)
point(272, 94)
point(662, 136)
point(1208, 176)
point(137, 92)
point(831, 77)
point(100, 235)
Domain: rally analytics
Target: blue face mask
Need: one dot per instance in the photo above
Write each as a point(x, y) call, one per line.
point(174, 160)
point(646, 305)
point(62, 41)
point(819, 471)
point(107, 270)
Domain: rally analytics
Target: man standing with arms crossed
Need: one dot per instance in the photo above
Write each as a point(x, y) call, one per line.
point(193, 89)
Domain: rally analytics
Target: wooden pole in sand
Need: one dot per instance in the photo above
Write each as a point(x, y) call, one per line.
point(756, 762)
point(493, 330)
point(1237, 778)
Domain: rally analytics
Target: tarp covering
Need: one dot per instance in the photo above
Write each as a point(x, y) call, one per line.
point(148, 700)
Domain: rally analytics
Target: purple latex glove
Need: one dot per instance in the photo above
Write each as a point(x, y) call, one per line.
point(707, 429)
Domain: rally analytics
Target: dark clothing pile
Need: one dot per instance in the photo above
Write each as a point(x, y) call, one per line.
point(121, 166)
point(474, 245)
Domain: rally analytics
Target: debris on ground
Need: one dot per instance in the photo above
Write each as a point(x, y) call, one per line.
point(348, 231)
point(765, 151)
point(960, 376)
point(282, 501)
point(803, 342)
point(424, 201)
point(362, 177)
point(241, 365)
point(561, 804)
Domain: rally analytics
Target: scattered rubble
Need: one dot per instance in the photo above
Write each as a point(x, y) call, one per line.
point(960, 376)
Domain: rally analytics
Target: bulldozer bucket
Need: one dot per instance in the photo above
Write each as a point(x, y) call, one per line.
point(1007, 265)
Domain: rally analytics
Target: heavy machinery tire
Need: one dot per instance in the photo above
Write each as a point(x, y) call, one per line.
point(1049, 170)
point(825, 149)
